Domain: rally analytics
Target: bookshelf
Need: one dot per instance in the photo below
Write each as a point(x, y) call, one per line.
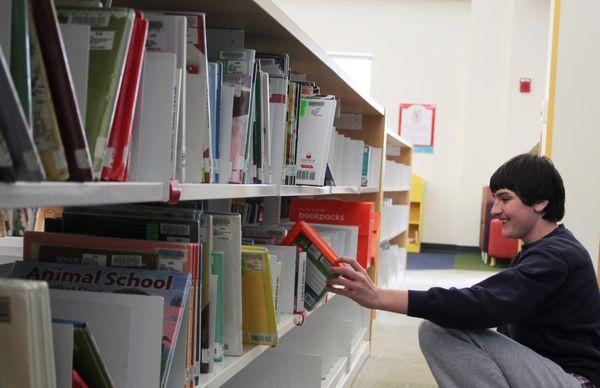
point(396, 189)
point(267, 29)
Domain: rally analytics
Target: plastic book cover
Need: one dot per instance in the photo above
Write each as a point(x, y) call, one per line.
point(259, 321)
point(15, 129)
point(174, 287)
point(167, 34)
point(329, 211)
point(198, 137)
point(63, 93)
point(238, 70)
point(320, 259)
point(46, 132)
point(111, 32)
point(19, 55)
point(117, 151)
point(217, 270)
point(87, 360)
point(277, 65)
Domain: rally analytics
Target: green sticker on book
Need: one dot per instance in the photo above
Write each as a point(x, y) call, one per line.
point(152, 232)
point(303, 104)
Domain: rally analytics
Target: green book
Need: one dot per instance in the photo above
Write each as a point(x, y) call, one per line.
point(109, 41)
point(87, 360)
point(20, 68)
point(217, 269)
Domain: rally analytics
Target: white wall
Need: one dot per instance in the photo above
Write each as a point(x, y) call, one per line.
point(576, 129)
point(463, 56)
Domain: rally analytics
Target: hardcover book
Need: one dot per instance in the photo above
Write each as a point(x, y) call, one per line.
point(320, 259)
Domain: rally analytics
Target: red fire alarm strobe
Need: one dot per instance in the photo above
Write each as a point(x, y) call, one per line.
point(525, 85)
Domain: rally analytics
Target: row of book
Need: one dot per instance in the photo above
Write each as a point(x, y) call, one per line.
point(218, 294)
point(117, 94)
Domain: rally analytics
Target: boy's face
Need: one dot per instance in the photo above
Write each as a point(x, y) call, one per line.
point(518, 220)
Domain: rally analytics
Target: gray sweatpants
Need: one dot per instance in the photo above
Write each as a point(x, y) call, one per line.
point(486, 358)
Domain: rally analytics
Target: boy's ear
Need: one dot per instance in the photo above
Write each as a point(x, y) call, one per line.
point(540, 206)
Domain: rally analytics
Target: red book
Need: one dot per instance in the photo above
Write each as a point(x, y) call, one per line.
point(117, 151)
point(337, 212)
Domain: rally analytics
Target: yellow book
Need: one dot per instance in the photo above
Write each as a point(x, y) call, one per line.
point(259, 324)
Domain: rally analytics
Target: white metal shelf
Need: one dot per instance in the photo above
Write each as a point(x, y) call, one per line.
point(192, 191)
point(38, 194)
point(393, 234)
point(392, 189)
point(223, 371)
point(291, 191)
point(394, 138)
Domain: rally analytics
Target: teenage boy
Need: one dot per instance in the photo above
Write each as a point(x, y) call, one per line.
point(546, 305)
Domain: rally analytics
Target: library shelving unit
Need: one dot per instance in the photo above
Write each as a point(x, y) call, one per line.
point(334, 340)
point(395, 213)
point(415, 219)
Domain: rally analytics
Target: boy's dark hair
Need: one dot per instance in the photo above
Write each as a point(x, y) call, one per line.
point(533, 178)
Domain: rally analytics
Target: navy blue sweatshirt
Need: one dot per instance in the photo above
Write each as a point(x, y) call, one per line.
point(547, 300)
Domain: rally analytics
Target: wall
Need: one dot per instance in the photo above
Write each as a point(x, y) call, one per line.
point(463, 56)
point(576, 133)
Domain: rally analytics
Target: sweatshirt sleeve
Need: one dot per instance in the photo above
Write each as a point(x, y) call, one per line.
point(506, 297)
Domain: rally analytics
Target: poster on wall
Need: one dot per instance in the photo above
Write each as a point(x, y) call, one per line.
point(417, 125)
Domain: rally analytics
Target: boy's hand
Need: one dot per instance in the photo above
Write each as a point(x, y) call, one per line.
point(355, 283)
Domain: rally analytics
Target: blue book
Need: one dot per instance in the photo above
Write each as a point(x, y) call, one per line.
point(215, 81)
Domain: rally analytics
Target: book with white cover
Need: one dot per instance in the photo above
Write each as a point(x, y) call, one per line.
point(62, 336)
point(76, 38)
point(154, 138)
point(277, 116)
point(127, 328)
point(315, 130)
point(198, 120)
point(300, 282)
point(226, 117)
point(287, 256)
point(26, 354)
point(167, 34)
point(375, 164)
point(227, 237)
point(265, 125)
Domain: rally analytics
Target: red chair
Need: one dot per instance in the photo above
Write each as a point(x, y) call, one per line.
point(500, 247)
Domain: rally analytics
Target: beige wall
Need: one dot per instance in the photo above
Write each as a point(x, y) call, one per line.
point(463, 56)
point(576, 126)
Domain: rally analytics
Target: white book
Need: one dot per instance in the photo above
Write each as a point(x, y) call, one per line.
point(153, 139)
point(127, 329)
point(300, 282)
point(168, 34)
point(227, 237)
point(358, 147)
point(275, 267)
point(375, 166)
point(227, 94)
point(76, 38)
point(277, 120)
point(62, 336)
point(287, 256)
point(26, 354)
point(315, 129)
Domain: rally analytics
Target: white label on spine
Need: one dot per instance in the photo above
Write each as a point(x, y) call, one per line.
point(100, 147)
point(58, 158)
point(102, 40)
point(81, 157)
point(91, 18)
point(108, 157)
point(171, 259)
point(175, 229)
point(93, 258)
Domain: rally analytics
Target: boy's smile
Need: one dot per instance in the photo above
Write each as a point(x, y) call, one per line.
point(519, 221)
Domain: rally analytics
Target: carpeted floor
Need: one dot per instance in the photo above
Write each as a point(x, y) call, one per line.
point(461, 261)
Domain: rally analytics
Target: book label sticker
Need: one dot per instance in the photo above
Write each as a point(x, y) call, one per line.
point(109, 157)
point(263, 337)
point(127, 260)
point(93, 258)
point(100, 147)
point(102, 40)
point(30, 160)
point(91, 18)
point(81, 157)
point(175, 229)
point(171, 259)
point(59, 160)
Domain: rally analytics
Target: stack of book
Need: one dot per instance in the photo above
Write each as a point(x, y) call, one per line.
point(117, 94)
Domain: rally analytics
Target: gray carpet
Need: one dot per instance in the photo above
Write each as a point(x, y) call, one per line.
point(395, 360)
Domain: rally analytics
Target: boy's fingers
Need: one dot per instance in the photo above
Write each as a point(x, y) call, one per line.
point(353, 263)
point(345, 272)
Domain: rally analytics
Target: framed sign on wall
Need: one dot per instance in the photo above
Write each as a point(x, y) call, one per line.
point(417, 125)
